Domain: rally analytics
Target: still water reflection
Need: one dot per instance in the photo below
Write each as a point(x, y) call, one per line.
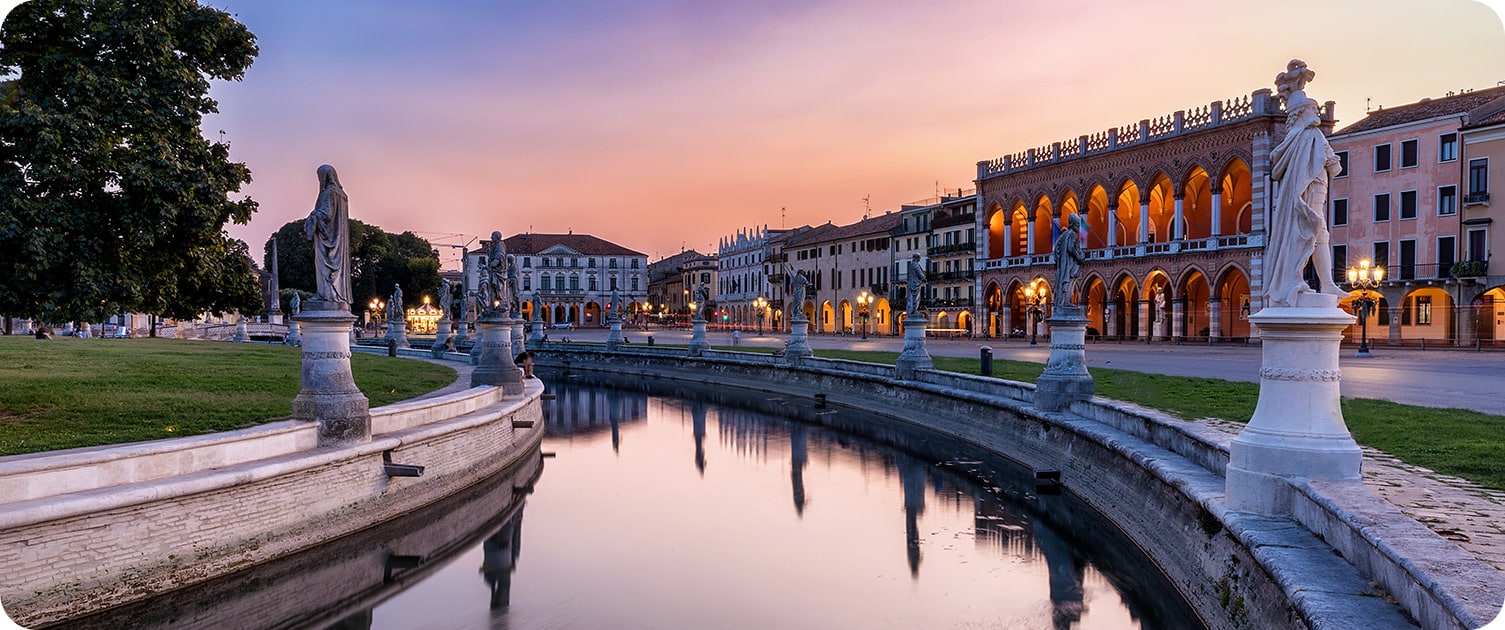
point(711, 510)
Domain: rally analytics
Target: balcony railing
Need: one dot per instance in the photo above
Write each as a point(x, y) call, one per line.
point(954, 276)
point(942, 250)
point(1172, 248)
point(951, 303)
point(1475, 197)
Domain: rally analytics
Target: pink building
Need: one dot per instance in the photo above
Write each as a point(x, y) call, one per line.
point(1398, 205)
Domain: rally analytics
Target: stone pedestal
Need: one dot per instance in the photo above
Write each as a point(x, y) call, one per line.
point(535, 338)
point(294, 333)
point(495, 366)
point(518, 344)
point(398, 331)
point(1065, 379)
point(698, 344)
point(441, 336)
point(241, 334)
point(799, 341)
point(462, 334)
point(614, 339)
point(913, 357)
point(329, 395)
point(1297, 429)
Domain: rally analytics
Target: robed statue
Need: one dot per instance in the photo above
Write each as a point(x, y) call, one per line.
point(797, 283)
point(395, 311)
point(614, 310)
point(515, 298)
point(446, 299)
point(1302, 164)
point(702, 301)
point(1069, 259)
point(916, 284)
point(295, 305)
point(328, 226)
point(495, 293)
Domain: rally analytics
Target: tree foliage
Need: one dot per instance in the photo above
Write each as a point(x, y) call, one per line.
point(378, 260)
point(111, 199)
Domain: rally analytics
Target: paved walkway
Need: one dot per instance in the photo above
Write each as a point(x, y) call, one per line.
point(1457, 509)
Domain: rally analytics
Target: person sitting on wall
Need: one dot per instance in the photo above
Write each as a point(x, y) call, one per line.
point(449, 345)
point(525, 361)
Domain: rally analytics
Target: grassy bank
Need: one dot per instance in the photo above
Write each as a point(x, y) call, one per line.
point(65, 392)
point(1457, 442)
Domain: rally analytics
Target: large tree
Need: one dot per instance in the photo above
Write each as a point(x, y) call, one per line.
point(378, 260)
point(111, 199)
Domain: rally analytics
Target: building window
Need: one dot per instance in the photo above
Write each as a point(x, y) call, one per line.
point(1408, 154)
point(1381, 158)
point(527, 262)
point(593, 285)
point(1340, 260)
point(1447, 200)
point(1446, 248)
point(1382, 207)
point(1447, 147)
point(1423, 310)
point(527, 283)
point(543, 283)
point(1408, 204)
point(1340, 212)
point(1342, 164)
point(1478, 178)
point(634, 283)
point(574, 283)
point(1406, 270)
point(1381, 256)
point(1478, 244)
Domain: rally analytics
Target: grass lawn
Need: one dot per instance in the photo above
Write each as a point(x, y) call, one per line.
point(66, 392)
point(1456, 442)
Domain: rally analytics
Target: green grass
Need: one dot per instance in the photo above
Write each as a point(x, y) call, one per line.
point(66, 393)
point(1456, 442)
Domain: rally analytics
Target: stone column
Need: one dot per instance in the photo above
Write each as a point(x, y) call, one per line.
point(1214, 318)
point(1178, 229)
point(913, 357)
point(698, 344)
point(614, 339)
point(1029, 238)
point(441, 336)
point(1065, 379)
point(294, 333)
point(329, 395)
point(1298, 428)
point(1144, 318)
point(495, 366)
point(1178, 317)
point(1005, 321)
point(1113, 224)
point(1144, 219)
point(1217, 212)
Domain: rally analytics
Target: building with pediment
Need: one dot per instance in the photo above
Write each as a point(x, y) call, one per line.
point(572, 277)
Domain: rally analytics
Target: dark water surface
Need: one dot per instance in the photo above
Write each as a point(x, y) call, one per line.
point(706, 509)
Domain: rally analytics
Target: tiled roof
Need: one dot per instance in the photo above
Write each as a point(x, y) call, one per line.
point(881, 224)
point(533, 244)
point(1492, 119)
point(1424, 109)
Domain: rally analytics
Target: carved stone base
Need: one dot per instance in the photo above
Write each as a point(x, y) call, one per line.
point(1298, 428)
point(294, 333)
point(536, 337)
point(698, 344)
point(518, 343)
point(495, 366)
point(329, 395)
point(398, 331)
point(799, 341)
point(1065, 379)
point(614, 339)
point(441, 336)
point(914, 356)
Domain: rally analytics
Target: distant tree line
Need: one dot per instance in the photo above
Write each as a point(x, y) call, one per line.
point(378, 261)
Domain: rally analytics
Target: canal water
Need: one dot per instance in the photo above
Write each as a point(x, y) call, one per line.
point(671, 506)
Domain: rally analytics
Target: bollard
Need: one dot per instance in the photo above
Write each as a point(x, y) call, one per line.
point(391, 347)
point(650, 340)
point(986, 356)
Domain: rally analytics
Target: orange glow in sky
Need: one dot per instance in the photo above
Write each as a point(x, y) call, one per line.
point(661, 124)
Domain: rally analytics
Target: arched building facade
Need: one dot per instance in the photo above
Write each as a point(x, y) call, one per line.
point(1174, 217)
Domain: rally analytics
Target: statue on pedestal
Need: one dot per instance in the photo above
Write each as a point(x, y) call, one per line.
point(797, 283)
point(514, 302)
point(915, 284)
point(702, 301)
point(1069, 259)
point(446, 300)
point(395, 312)
point(495, 293)
point(295, 304)
point(328, 226)
point(1303, 164)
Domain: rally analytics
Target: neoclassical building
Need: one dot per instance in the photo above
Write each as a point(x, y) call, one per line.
point(1174, 210)
point(573, 276)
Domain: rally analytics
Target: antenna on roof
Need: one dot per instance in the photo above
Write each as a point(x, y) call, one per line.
point(1367, 102)
point(867, 207)
point(782, 212)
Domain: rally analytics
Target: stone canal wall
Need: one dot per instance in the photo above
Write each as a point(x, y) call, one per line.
point(1159, 479)
point(89, 528)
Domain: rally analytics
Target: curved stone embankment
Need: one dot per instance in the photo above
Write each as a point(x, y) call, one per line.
point(1347, 560)
point(86, 529)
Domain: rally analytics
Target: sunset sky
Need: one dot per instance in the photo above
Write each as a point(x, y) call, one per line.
point(667, 123)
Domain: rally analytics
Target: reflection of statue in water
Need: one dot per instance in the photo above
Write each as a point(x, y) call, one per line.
point(499, 559)
point(702, 301)
point(1303, 164)
point(1069, 259)
point(446, 300)
point(328, 226)
point(916, 284)
point(797, 283)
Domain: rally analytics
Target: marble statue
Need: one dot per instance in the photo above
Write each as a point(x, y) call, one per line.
point(446, 299)
point(1069, 259)
point(472, 304)
point(514, 302)
point(916, 284)
point(495, 293)
point(328, 226)
point(295, 304)
point(702, 301)
point(395, 311)
point(797, 283)
point(1303, 164)
point(615, 308)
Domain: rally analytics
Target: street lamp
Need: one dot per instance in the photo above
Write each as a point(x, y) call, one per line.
point(378, 310)
point(1034, 299)
point(760, 308)
point(1364, 278)
point(863, 301)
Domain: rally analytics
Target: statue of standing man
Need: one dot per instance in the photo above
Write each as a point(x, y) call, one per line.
point(915, 284)
point(1069, 259)
point(495, 292)
point(797, 283)
point(1303, 164)
point(395, 310)
point(702, 301)
point(328, 226)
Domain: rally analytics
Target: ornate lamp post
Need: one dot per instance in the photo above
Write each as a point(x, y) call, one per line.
point(1034, 298)
point(378, 310)
point(760, 308)
point(864, 300)
point(1364, 278)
